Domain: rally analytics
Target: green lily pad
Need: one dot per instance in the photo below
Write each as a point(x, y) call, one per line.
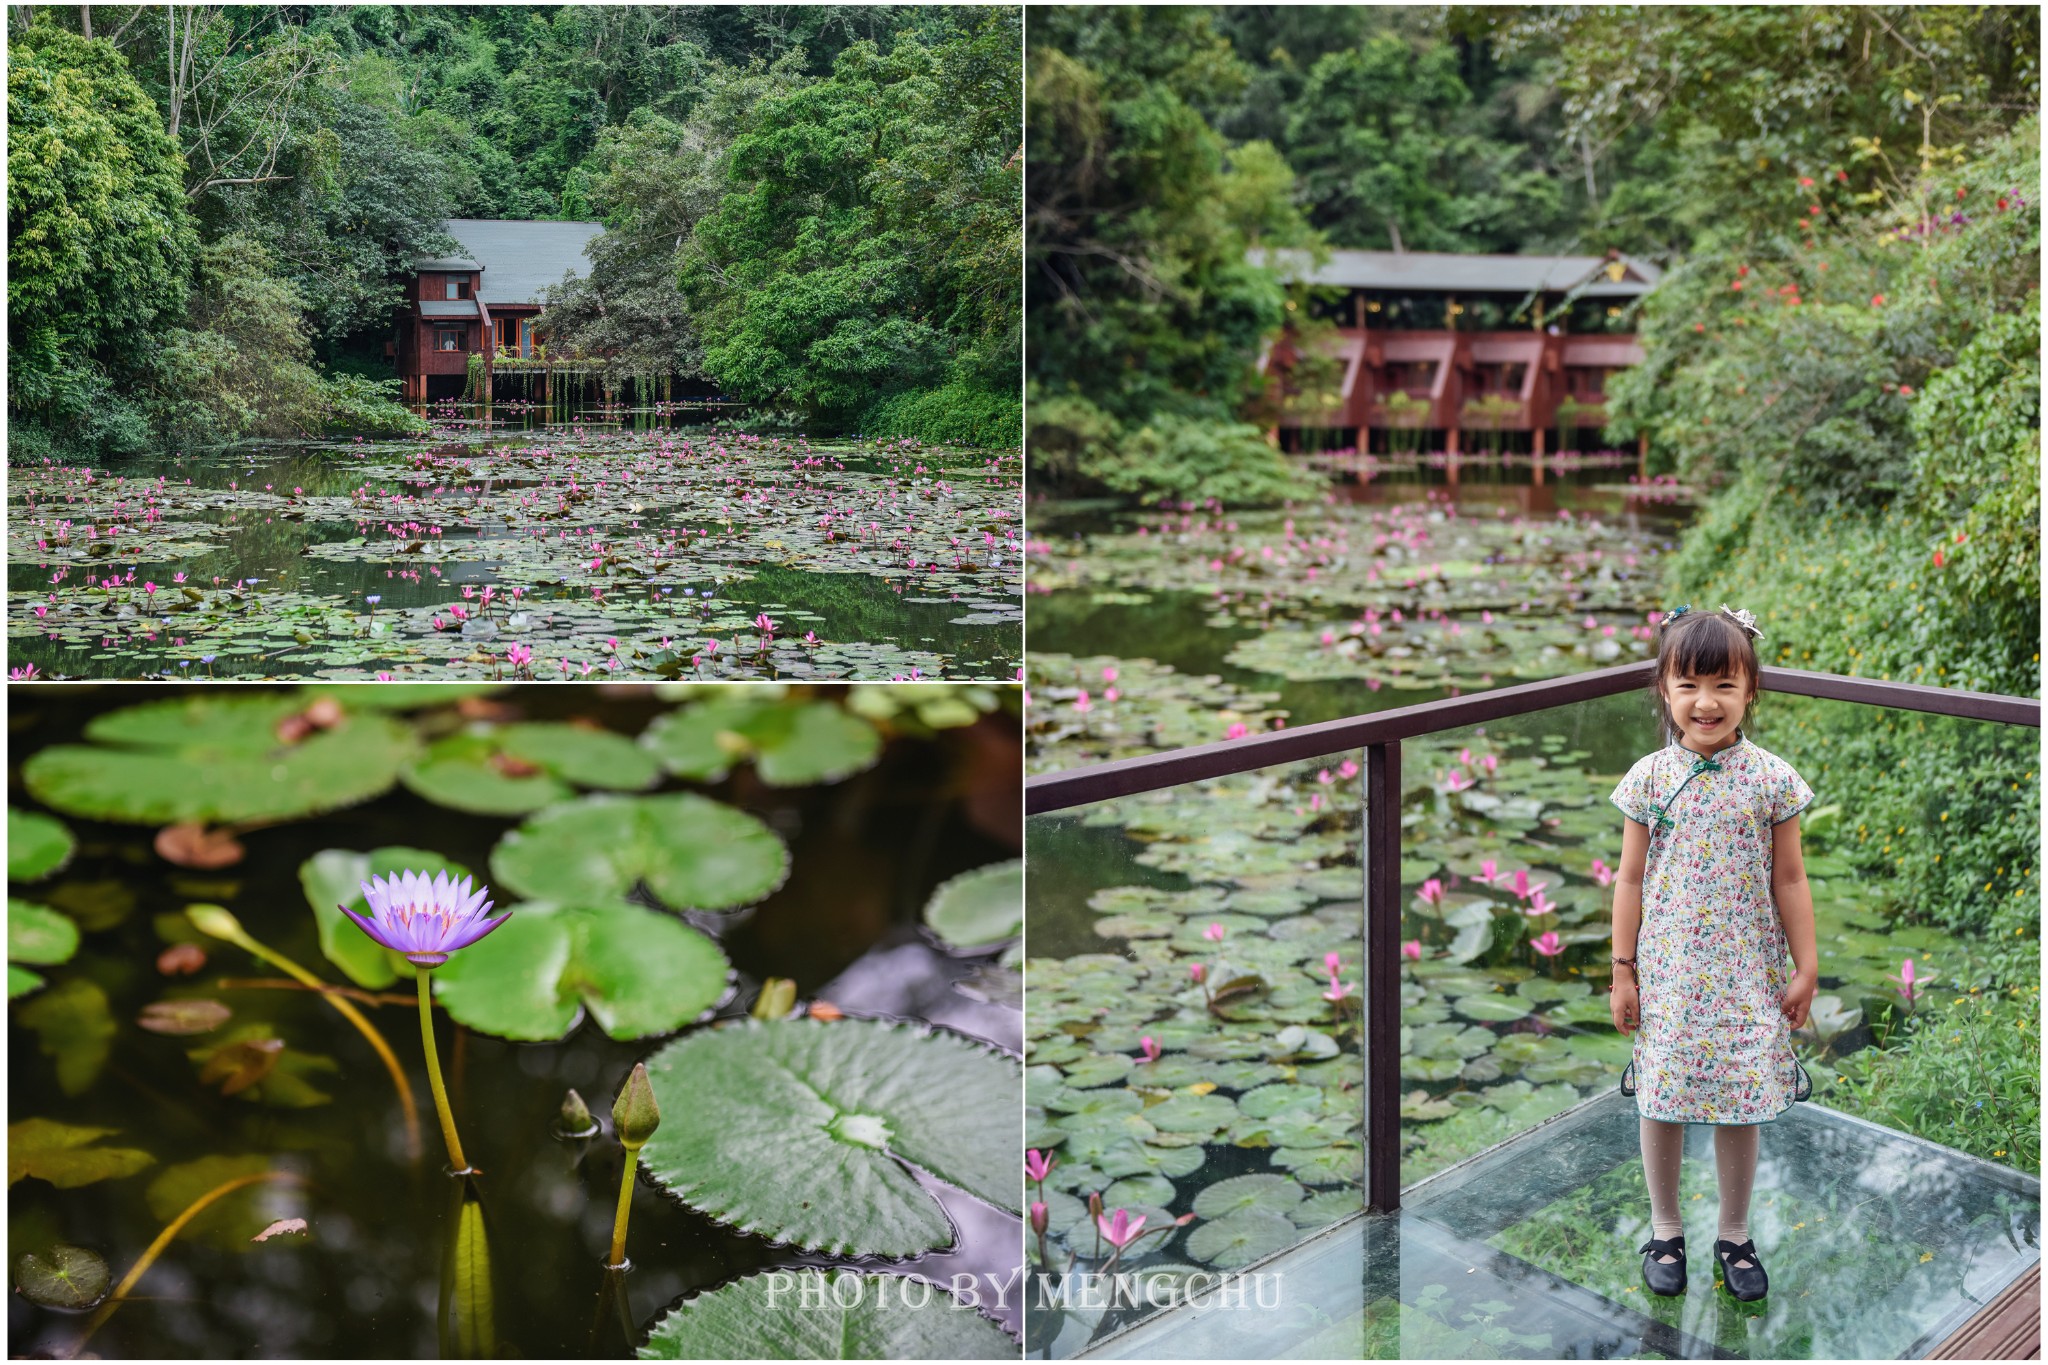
point(1137, 1158)
point(1241, 1238)
point(65, 1155)
point(1090, 1072)
point(638, 971)
point(471, 772)
point(230, 1221)
point(979, 909)
point(792, 744)
point(71, 1278)
point(216, 757)
point(37, 845)
point(1268, 1100)
point(38, 934)
point(75, 1029)
point(691, 852)
point(333, 878)
point(253, 1064)
point(1133, 1190)
point(805, 1315)
point(854, 1105)
point(1322, 1165)
point(1249, 1193)
point(1494, 1008)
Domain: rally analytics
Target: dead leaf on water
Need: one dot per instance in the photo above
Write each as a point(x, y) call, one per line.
point(281, 1227)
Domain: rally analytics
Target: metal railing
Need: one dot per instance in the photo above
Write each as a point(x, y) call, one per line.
point(1380, 735)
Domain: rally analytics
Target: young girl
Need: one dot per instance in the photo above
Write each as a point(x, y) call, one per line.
point(1710, 895)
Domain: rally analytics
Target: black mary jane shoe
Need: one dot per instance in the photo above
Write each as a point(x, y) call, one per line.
point(1664, 1277)
point(1747, 1283)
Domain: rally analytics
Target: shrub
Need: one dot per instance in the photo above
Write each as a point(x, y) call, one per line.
point(958, 413)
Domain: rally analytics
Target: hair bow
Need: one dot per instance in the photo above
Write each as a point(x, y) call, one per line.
point(1743, 618)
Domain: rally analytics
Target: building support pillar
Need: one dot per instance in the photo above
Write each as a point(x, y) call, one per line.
point(1643, 457)
point(1538, 464)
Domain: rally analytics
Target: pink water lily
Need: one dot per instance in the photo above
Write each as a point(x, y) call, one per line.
point(1432, 892)
point(1037, 1165)
point(1120, 1230)
point(1539, 904)
point(1412, 950)
point(1602, 873)
point(1150, 1047)
point(1489, 873)
point(1330, 963)
point(1909, 980)
point(1237, 731)
point(1197, 973)
point(1547, 943)
point(1456, 781)
point(424, 919)
point(1214, 933)
point(1338, 990)
point(1523, 887)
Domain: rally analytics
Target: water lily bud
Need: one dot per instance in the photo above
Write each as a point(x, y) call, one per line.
point(776, 1000)
point(635, 1116)
point(1095, 1206)
point(575, 1119)
point(1039, 1218)
point(214, 921)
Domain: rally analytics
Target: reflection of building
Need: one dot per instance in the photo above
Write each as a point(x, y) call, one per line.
point(1440, 344)
point(482, 301)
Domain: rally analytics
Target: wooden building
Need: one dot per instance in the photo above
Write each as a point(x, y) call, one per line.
point(1446, 345)
point(481, 301)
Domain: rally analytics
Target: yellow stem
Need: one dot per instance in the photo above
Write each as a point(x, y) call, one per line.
point(363, 1026)
point(164, 1239)
point(625, 1207)
point(441, 1108)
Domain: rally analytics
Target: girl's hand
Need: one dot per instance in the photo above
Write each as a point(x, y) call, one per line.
point(1799, 997)
point(1622, 1004)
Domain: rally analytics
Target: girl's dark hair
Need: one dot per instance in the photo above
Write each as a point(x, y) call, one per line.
point(1702, 643)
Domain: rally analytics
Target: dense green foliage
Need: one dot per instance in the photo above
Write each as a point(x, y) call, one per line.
point(319, 150)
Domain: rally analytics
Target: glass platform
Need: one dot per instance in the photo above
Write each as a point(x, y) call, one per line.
point(1879, 1245)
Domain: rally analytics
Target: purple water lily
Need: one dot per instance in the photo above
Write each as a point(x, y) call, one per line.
point(425, 920)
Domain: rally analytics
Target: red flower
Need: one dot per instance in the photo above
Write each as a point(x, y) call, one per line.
point(1742, 270)
point(1937, 559)
point(1841, 175)
point(1960, 537)
point(1813, 209)
point(1805, 181)
point(1699, 326)
point(2001, 201)
point(1736, 285)
point(1960, 192)
point(1905, 390)
point(1877, 300)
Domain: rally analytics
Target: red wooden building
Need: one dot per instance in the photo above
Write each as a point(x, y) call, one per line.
point(1449, 344)
point(483, 300)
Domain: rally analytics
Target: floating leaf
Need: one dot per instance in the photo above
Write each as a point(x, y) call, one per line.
point(283, 1227)
point(690, 851)
point(1247, 1194)
point(1241, 1238)
point(1203, 1114)
point(75, 1029)
point(229, 1221)
point(334, 877)
point(517, 769)
point(638, 971)
point(216, 757)
point(37, 845)
point(1492, 1008)
point(817, 1315)
point(38, 934)
point(64, 1154)
point(979, 909)
point(254, 1063)
point(792, 744)
point(72, 1279)
point(854, 1105)
point(190, 844)
point(177, 1017)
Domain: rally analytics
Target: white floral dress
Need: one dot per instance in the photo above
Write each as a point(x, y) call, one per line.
point(1712, 962)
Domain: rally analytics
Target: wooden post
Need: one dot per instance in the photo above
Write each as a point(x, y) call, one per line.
point(1642, 457)
point(1539, 457)
point(1381, 1022)
point(1451, 449)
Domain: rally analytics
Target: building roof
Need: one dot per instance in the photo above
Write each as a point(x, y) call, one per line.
point(448, 308)
point(518, 257)
point(445, 263)
point(1451, 273)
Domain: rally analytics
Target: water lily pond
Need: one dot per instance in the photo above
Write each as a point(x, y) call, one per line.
point(523, 548)
point(1204, 918)
point(798, 905)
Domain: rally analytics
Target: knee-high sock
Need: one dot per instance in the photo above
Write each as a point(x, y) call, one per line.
point(1663, 1147)
point(1735, 1167)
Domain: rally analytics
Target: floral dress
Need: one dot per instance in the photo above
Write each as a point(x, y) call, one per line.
point(1711, 958)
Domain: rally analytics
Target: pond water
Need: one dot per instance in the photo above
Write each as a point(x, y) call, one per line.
point(1251, 1118)
point(927, 794)
point(622, 543)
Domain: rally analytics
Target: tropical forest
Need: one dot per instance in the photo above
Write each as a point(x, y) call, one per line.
point(1802, 245)
point(724, 382)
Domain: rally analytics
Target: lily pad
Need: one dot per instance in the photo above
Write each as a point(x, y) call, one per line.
point(826, 1315)
point(689, 851)
point(38, 934)
point(333, 878)
point(214, 757)
point(638, 971)
point(979, 909)
point(71, 1278)
point(518, 769)
point(855, 1105)
point(1241, 1238)
point(37, 845)
point(253, 1063)
point(233, 1219)
point(75, 1030)
point(792, 744)
point(1249, 1193)
point(1495, 1008)
point(66, 1155)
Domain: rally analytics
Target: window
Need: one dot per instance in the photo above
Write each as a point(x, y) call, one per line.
point(526, 338)
point(508, 334)
point(448, 338)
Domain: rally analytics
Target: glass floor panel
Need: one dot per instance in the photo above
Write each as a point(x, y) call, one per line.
point(1879, 1246)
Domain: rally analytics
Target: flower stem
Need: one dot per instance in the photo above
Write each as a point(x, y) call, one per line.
point(618, 1256)
point(434, 1072)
